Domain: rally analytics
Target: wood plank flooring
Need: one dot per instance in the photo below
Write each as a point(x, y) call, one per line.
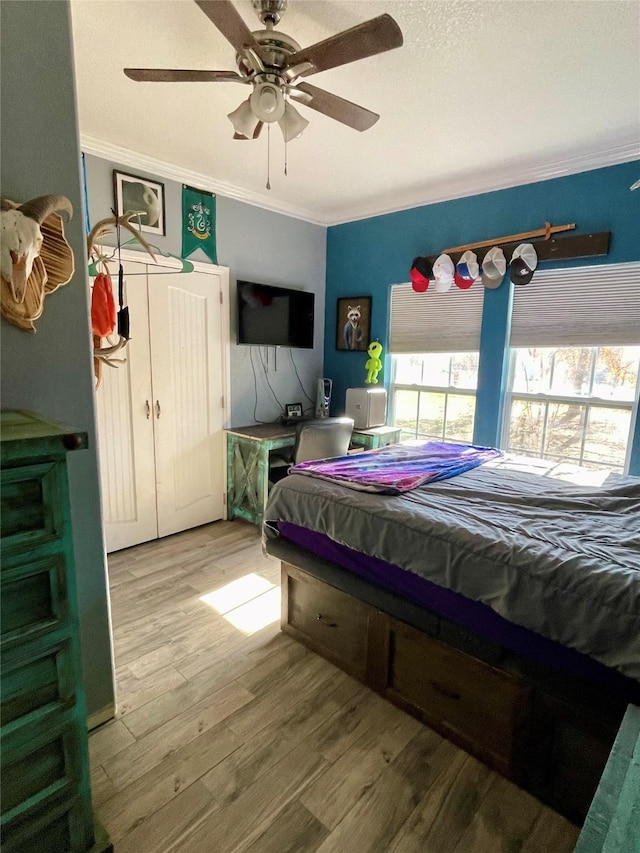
point(229, 739)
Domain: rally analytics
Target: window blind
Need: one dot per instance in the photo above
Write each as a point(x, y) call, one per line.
point(435, 322)
point(581, 306)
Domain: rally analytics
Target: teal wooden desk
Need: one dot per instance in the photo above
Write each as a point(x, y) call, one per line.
point(375, 437)
point(248, 450)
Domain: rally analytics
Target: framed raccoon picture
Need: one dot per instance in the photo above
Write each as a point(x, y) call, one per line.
point(353, 323)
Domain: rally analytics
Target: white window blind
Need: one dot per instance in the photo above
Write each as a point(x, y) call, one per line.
point(581, 306)
point(435, 322)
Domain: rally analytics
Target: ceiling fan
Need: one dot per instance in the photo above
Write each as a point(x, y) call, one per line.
point(271, 62)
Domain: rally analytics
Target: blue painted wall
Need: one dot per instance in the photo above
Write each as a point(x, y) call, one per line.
point(368, 256)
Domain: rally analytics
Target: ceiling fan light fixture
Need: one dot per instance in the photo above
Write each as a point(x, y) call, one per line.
point(292, 124)
point(267, 102)
point(244, 120)
point(271, 61)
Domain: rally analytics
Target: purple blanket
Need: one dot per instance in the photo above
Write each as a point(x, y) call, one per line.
point(399, 467)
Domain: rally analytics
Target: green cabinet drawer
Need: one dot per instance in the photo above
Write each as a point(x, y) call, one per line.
point(36, 678)
point(60, 827)
point(32, 598)
point(45, 795)
point(43, 811)
point(39, 769)
point(29, 497)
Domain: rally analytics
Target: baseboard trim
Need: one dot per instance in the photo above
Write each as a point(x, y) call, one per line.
point(103, 715)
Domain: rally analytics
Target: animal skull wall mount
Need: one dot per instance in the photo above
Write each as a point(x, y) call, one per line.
point(35, 258)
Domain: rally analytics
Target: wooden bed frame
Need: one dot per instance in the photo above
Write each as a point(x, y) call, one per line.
point(549, 732)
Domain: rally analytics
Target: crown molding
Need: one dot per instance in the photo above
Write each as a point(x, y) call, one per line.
point(136, 160)
point(487, 181)
point(498, 179)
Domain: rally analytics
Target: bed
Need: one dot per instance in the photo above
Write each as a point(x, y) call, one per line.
point(501, 607)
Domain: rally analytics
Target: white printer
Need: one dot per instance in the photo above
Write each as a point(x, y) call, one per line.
point(367, 407)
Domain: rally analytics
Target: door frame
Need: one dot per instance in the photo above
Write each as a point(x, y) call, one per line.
point(168, 265)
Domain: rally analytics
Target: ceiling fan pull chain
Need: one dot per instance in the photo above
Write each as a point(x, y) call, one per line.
point(268, 155)
point(285, 143)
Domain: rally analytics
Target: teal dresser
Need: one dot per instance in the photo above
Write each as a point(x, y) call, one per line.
point(613, 822)
point(45, 794)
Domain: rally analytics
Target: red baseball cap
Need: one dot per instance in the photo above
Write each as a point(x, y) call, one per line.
point(467, 270)
point(421, 272)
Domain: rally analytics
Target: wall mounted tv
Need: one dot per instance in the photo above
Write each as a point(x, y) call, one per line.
point(275, 316)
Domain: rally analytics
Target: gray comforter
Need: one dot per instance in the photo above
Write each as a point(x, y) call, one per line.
point(559, 558)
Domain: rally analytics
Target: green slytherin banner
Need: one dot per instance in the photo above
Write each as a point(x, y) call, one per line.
point(198, 222)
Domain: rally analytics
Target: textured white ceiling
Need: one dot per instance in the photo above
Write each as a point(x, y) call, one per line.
point(482, 94)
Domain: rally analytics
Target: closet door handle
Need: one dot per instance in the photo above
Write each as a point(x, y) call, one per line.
point(147, 409)
point(158, 410)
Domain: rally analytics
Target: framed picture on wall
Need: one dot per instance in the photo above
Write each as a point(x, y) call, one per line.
point(353, 323)
point(140, 195)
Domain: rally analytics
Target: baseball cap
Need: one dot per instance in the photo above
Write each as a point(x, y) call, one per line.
point(443, 273)
point(467, 270)
point(420, 273)
point(494, 266)
point(523, 262)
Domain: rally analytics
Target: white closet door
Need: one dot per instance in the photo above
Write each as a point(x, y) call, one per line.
point(184, 312)
point(125, 432)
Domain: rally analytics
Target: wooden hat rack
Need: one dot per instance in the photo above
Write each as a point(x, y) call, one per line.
point(547, 247)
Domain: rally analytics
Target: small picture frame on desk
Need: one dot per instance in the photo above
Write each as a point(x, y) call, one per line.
point(293, 410)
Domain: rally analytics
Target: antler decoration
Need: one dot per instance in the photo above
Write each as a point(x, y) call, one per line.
point(104, 354)
point(35, 258)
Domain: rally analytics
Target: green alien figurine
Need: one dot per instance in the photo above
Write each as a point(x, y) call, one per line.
point(373, 363)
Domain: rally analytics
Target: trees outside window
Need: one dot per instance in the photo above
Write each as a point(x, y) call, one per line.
point(433, 395)
point(573, 404)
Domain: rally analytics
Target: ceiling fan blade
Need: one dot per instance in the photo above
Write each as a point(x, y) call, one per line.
point(367, 39)
point(224, 15)
point(174, 75)
point(333, 106)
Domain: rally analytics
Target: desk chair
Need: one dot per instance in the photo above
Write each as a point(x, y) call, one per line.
point(318, 439)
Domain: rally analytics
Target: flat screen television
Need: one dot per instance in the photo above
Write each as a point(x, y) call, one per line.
point(275, 316)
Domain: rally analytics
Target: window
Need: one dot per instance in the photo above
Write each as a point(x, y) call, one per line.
point(575, 365)
point(433, 395)
point(434, 340)
point(573, 404)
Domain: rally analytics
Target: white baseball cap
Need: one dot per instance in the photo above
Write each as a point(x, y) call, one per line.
point(494, 267)
point(523, 262)
point(443, 273)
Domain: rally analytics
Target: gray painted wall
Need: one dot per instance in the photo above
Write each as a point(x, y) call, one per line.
point(51, 372)
point(257, 245)
point(273, 249)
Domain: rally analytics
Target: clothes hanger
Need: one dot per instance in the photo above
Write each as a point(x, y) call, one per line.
point(105, 354)
point(105, 225)
point(186, 267)
point(101, 258)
